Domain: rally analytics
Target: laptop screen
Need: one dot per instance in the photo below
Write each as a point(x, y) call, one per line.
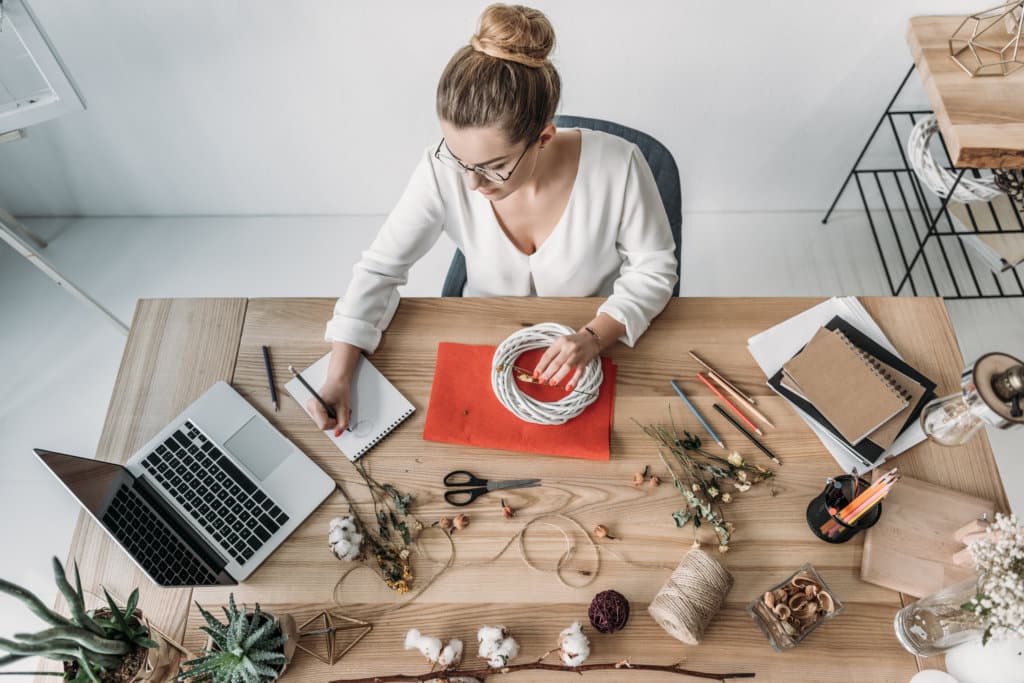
point(169, 551)
point(93, 482)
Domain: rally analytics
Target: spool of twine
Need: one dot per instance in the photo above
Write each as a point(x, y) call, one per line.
point(691, 597)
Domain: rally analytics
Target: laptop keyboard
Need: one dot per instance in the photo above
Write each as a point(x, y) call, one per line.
point(152, 543)
point(219, 496)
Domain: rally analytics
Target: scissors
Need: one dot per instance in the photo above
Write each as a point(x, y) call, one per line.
point(461, 480)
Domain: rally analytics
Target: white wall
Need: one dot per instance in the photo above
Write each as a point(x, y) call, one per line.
point(321, 106)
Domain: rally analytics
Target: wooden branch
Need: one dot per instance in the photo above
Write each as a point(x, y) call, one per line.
point(482, 674)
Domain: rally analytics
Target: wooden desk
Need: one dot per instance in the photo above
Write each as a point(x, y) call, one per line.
point(177, 348)
point(981, 118)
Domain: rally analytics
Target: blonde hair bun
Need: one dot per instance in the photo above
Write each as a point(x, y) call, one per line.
point(515, 33)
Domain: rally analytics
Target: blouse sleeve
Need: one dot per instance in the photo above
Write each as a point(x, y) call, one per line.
point(411, 229)
point(649, 267)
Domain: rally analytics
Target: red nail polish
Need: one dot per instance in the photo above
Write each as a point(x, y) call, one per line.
point(337, 432)
point(536, 374)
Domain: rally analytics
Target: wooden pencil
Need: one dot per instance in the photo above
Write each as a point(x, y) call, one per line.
point(739, 399)
point(748, 397)
point(732, 406)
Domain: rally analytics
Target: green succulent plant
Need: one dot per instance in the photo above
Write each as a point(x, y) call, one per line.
point(249, 648)
point(98, 643)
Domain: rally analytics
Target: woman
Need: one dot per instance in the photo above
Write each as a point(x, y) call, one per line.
point(536, 211)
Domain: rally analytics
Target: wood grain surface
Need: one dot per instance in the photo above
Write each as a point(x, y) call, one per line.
point(176, 349)
point(771, 540)
point(981, 118)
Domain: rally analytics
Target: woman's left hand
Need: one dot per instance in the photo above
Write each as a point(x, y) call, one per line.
point(569, 354)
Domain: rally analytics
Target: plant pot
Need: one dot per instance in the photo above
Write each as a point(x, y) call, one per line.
point(136, 667)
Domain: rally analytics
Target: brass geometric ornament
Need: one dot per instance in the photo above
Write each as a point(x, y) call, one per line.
point(328, 629)
point(989, 43)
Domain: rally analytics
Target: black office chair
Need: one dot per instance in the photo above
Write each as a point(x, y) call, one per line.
point(666, 175)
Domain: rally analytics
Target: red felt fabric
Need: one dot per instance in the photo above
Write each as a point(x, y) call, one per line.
point(464, 410)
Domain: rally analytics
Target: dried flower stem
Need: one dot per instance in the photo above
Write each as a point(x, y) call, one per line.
point(483, 674)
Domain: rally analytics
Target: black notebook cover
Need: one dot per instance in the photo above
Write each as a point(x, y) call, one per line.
point(867, 450)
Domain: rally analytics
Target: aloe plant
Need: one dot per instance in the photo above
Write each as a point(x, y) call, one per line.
point(97, 643)
point(249, 648)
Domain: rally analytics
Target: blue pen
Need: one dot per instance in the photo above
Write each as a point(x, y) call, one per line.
point(693, 410)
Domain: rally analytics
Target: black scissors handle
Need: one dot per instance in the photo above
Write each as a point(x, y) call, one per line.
point(463, 497)
point(463, 478)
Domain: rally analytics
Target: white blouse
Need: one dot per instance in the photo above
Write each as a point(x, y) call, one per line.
point(612, 241)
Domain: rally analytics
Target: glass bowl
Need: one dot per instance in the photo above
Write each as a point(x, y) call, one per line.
point(784, 635)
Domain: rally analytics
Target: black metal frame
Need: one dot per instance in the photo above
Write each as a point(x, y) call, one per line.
point(952, 283)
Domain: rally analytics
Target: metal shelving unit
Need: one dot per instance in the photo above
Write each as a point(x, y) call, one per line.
point(917, 252)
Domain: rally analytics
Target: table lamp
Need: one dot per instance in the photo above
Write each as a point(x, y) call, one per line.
point(991, 392)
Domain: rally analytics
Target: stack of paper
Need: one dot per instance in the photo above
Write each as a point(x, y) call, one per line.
point(774, 347)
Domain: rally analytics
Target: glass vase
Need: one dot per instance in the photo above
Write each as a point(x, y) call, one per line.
point(938, 623)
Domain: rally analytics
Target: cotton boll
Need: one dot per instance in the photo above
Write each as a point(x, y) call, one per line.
point(507, 651)
point(574, 645)
point(336, 534)
point(346, 550)
point(491, 633)
point(428, 647)
point(451, 655)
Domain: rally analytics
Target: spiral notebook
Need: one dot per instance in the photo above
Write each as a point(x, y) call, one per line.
point(377, 406)
point(886, 440)
point(846, 385)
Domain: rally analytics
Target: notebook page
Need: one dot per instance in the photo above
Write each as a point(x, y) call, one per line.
point(377, 406)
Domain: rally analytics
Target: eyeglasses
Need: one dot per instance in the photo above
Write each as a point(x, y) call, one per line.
point(451, 161)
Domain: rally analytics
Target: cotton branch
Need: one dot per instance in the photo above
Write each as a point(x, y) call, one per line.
point(483, 674)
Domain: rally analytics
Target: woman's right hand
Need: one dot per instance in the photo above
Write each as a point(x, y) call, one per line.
point(337, 393)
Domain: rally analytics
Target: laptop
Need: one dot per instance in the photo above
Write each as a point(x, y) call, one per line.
point(207, 499)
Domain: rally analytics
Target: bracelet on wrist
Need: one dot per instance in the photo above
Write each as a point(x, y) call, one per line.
point(593, 333)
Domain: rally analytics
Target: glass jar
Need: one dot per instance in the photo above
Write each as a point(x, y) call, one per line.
point(987, 388)
point(938, 622)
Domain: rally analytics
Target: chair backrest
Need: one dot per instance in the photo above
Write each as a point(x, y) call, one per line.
point(666, 176)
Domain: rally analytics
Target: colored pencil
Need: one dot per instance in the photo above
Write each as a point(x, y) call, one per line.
point(862, 504)
point(270, 376)
point(693, 409)
point(729, 403)
point(739, 399)
point(753, 440)
point(330, 411)
point(748, 397)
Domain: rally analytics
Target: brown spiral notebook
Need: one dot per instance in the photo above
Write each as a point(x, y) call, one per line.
point(851, 389)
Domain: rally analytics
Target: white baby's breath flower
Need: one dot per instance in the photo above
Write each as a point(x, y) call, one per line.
point(999, 559)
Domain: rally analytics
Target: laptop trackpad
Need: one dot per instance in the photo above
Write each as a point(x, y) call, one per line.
point(259, 447)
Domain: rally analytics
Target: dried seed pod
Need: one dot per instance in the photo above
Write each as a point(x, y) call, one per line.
point(654, 481)
point(445, 523)
point(797, 602)
point(638, 479)
point(789, 628)
point(769, 599)
point(801, 580)
point(811, 592)
point(782, 611)
point(780, 595)
point(601, 531)
point(461, 521)
point(825, 602)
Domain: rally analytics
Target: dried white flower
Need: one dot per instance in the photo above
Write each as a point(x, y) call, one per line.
point(712, 492)
point(428, 647)
point(451, 654)
point(742, 487)
point(999, 558)
point(343, 538)
point(496, 646)
point(726, 497)
point(573, 645)
point(735, 459)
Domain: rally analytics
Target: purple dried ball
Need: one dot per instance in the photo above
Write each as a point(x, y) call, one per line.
point(609, 611)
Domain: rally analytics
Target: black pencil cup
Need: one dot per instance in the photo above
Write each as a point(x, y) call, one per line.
point(836, 498)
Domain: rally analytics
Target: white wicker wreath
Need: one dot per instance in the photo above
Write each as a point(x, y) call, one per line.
point(527, 408)
point(938, 179)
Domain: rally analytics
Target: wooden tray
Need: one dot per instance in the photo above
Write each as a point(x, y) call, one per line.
point(911, 548)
